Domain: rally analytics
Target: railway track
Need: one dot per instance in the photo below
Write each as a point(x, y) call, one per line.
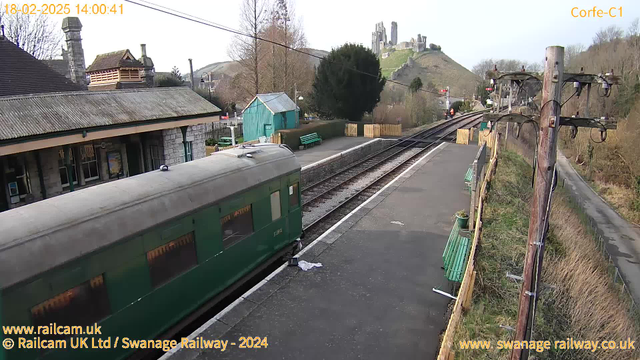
point(349, 188)
point(386, 164)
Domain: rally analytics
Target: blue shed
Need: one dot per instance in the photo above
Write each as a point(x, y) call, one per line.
point(268, 113)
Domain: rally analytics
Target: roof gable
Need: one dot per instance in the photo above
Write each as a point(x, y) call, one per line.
point(21, 73)
point(114, 60)
point(276, 102)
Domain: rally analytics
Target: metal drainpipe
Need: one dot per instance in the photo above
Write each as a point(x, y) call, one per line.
point(184, 141)
point(43, 189)
point(67, 163)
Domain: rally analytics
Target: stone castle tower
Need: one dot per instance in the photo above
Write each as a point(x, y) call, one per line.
point(394, 33)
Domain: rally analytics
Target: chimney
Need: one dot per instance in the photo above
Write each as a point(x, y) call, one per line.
point(71, 27)
point(148, 72)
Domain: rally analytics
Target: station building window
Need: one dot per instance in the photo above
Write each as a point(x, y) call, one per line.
point(89, 163)
point(157, 156)
point(64, 174)
point(236, 226)
point(82, 305)
point(293, 196)
point(275, 206)
point(17, 177)
point(172, 259)
point(189, 149)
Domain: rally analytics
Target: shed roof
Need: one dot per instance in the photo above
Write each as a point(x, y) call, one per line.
point(275, 102)
point(114, 60)
point(21, 73)
point(31, 115)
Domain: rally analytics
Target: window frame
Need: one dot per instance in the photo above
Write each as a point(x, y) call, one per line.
point(189, 150)
point(226, 243)
point(294, 190)
point(279, 202)
point(95, 160)
point(165, 248)
point(72, 160)
point(19, 162)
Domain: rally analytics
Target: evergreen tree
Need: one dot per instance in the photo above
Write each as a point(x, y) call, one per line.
point(339, 91)
point(416, 85)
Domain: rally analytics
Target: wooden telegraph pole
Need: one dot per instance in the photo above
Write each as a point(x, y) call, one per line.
point(549, 125)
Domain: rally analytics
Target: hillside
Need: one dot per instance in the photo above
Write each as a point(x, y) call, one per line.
point(433, 67)
point(231, 68)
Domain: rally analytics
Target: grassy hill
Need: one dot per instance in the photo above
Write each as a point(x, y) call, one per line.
point(433, 67)
point(394, 61)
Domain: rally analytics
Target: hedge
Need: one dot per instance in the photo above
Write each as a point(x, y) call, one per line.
point(326, 130)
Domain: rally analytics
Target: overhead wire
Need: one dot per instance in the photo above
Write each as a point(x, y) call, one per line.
point(189, 17)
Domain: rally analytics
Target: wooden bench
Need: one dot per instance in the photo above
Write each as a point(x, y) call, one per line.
point(310, 139)
point(467, 178)
point(456, 254)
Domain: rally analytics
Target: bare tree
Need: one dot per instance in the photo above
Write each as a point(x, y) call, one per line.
point(36, 34)
point(607, 34)
point(246, 50)
point(570, 54)
point(634, 28)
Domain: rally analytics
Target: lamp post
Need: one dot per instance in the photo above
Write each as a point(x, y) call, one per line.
point(296, 98)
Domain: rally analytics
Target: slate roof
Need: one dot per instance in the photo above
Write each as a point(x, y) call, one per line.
point(275, 102)
point(61, 66)
point(32, 115)
point(21, 73)
point(113, 60)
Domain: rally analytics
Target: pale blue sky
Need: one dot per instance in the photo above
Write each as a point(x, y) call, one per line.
point(468, 30)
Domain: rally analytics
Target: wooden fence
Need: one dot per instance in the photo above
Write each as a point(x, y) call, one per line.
point(485, 136)
point(372, 130)
point(377, 130)
point(350, 129)
point(463, 300)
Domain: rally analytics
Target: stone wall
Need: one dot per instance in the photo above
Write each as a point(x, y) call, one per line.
point(330, 166)
point(174, 148)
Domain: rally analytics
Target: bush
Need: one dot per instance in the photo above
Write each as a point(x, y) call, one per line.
point(210, 142)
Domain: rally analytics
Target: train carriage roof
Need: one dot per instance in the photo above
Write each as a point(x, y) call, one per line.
point(37, 237)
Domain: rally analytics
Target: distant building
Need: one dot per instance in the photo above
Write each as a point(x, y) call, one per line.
point(120, 70)
point(268, 113)
point(378, 38)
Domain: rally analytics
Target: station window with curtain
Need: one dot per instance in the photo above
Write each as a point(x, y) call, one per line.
point(17, 177)
point(236, 226)
point(89, 163)
point(172, 259)
point(275, 206)
point(157, 156)
point(64, 174)
point(82, 305)
point(293, 196)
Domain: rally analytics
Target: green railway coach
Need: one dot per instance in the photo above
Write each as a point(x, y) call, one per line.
point(138, 255)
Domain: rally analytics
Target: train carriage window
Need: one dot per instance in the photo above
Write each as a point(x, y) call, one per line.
point(82, 305)
point(293, 196)
point(172, 259)
point(275, 206)
point(236, 226)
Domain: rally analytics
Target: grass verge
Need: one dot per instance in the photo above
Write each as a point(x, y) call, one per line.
point(582, 302)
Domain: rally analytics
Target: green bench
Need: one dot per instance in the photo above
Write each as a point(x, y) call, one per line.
point(456, 254)
point(467, 178)
point(310, 139)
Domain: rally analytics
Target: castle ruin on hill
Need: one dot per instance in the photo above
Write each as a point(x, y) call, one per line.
point(381, 46)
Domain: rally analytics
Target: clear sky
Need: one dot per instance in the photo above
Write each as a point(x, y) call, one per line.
point(467, 30)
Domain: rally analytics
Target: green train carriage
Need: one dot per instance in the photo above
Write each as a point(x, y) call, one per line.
point(138, 255)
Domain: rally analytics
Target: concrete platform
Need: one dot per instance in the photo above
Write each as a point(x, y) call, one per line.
point(329, 147)
point(373, 297)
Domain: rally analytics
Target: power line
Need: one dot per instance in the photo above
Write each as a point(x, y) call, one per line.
point(188, 17)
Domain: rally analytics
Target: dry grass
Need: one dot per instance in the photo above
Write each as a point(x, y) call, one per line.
point(583, 303)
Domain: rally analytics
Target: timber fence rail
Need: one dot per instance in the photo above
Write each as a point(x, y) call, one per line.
point(463, 300)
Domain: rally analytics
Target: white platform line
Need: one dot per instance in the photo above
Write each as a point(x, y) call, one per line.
point(230, 307)
point(339, 154)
